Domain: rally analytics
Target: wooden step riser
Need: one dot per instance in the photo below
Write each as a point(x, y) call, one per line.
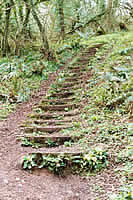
point(50, 122)
point(77, 67)
point(67, 85)
point(73, 79)
point(40, 153)
point(39, 156)
point(54, 116)
point(58, 107)
point(70, 83)
point(46, 129)
point(58, 140)
point(73, 74)
point(83, 62)
point(78, 70)
point(46, 123)
point(67, 88)
point(62, 95)
point(77, 82)
point(57, 102)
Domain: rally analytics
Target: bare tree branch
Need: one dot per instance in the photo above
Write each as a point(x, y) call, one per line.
point(93, 19)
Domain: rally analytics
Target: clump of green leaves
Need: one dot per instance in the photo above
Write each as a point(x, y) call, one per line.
point(126, 193)
point(95, 160)
point(32, 143)
point(51, 143)
point(26, 142)
point(19, 76)
point(29, 162)
point(130, 129)
point(54, 164)
point(5, 109)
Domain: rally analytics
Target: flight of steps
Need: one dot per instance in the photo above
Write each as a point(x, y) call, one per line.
point(57, 112)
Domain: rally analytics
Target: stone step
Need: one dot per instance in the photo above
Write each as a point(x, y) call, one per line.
point(62, 94)
point(56, 101)
point(62, 148)
point(84, 62)
point(47, 122)
point(52, 122)
point(78, 69)
point(40, 155)
point(72, 67)
point(65, 89)
point(56, 153)
point(46, 129)
point(70, 88)
point(56, 115)
point(71, 74)
point(46, 139)
point(71, 79)
point(65, 107)
point(68, 84)
point(76, 74)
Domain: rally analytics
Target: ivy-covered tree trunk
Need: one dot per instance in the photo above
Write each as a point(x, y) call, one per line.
point(45, 47)
point(27, 15)
point(5, 45)
point(1, 30)
point(76, 19)
point(110, 21)
point(41, 29)
point(61, 18)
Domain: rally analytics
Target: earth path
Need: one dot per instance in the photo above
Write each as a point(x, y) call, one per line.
point(16, 184)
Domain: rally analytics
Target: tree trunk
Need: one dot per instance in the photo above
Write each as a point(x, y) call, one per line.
point(45, 49)
point(76, 17)
point(61, 18)
point(26, 20)
point(42, 32)
point(110, 15)
point(5, 45)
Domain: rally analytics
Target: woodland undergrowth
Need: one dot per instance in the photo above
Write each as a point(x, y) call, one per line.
point(107, 118)
point(19, 77)
point(108, 114)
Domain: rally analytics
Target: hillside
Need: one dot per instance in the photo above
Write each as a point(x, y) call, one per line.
point(72, 116)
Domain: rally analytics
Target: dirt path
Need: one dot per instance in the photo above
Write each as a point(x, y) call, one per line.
point(17, 184)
